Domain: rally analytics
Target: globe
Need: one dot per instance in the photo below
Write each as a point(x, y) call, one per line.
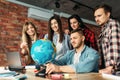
point(42, 51)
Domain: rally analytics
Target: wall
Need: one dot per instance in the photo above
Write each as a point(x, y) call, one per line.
point(12, 17)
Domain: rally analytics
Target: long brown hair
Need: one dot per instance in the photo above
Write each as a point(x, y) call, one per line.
point(78, 18)
point(51, 32)
point(26, 38)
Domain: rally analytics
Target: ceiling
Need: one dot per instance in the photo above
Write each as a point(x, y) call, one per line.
point(84, 7)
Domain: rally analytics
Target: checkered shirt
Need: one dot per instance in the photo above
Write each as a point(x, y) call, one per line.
point(109, 43)
point(90, 39)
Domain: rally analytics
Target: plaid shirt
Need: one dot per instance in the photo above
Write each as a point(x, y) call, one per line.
point(90, 38)
point(109, 43)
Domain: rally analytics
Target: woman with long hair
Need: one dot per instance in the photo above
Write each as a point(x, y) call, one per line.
point(75, 22)
point(57, 36)
point(29, 36)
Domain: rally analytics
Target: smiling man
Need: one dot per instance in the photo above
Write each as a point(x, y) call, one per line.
point(81, 59)
point(109, 38)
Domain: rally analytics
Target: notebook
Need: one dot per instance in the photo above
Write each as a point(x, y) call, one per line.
point(14, 60)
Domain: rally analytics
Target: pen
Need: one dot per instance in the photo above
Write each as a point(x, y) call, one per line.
point(16, 74)
point(21, 77)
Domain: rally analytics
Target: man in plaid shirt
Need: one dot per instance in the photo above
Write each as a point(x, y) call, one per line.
point(75, 22)
point(109, 38)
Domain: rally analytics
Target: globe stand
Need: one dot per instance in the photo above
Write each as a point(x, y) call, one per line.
point(42, 51)
point(41, 70)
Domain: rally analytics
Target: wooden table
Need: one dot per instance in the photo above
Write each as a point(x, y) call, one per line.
point(85, 76)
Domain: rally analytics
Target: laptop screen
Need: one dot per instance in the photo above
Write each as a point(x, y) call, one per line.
point(14, 59)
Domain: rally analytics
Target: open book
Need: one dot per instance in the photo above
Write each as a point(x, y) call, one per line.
point(10, 75)
point(110, 76)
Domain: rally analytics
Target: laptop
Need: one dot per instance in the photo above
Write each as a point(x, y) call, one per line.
point(14, 61)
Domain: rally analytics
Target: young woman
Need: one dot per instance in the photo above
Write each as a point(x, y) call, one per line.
point(75, 22)
point(29, 36)
point(57, 36)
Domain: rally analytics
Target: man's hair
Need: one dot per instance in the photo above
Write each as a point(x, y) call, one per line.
point(80, 31)
point(106, 8)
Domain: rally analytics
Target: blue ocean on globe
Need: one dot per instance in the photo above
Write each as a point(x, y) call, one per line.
point(42, 51)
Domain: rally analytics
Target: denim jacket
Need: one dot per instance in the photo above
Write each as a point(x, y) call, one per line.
point(88, 61)
point(66, 45)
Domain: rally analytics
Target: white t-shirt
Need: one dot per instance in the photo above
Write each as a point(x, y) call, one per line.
point(58, 45)
point(76, 57)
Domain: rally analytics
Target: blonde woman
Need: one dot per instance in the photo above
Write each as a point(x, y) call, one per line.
point(29, 36)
